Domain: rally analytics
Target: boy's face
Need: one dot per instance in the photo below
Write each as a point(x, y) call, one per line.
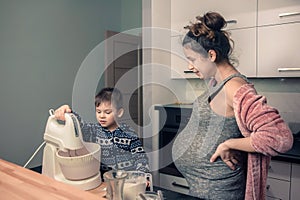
point(106, 114)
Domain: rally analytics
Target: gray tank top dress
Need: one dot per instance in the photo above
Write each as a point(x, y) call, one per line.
point(196, 143)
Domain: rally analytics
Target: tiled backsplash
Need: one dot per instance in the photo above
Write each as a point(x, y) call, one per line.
point(283, 94)
point(288, 105)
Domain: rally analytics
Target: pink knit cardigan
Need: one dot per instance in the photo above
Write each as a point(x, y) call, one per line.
point(269, 135)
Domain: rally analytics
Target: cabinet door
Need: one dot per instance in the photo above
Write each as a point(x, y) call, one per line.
point(278, 11)
point(244, 14)
point(245, 50)
point(179, 63)
point(278, 189)
point(278, 48)
point(239, 16)
point(280, 170)
point(295, 182)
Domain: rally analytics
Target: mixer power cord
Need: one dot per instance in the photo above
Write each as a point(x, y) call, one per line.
point(36, 151)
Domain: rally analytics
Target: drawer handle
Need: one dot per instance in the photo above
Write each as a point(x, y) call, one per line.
point(289, 14)
point(179, 185)
point(232, 21)
point(288, 69)
point(268, 187)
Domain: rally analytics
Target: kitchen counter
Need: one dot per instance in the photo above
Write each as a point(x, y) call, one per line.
point(292, 155)
point(19, 183)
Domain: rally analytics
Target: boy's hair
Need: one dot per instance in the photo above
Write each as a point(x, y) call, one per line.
point(112, 95)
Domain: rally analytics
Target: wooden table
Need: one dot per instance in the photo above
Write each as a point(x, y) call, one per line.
point(18, 183)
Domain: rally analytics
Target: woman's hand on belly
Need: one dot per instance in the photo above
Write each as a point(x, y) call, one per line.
point(228, 155)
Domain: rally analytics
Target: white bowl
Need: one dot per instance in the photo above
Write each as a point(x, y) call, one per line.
point(80, 164)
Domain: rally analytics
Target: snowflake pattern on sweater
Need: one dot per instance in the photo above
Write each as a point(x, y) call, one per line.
point(120, 149)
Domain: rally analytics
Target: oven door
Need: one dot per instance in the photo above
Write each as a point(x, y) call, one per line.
point(166, 140)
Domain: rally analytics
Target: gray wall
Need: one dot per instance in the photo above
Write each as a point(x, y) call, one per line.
point(42, 45)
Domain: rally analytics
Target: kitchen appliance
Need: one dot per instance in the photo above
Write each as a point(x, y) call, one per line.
point(66, 157)
point(176, 119)
point(172, 120)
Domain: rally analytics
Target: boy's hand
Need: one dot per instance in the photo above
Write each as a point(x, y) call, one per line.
point(60, 112)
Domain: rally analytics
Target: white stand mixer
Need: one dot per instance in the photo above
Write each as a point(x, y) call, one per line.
point(67, 158)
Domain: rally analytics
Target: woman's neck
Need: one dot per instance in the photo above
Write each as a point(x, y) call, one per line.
point(223, 71)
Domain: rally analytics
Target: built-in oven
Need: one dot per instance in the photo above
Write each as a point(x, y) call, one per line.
point(172, 120)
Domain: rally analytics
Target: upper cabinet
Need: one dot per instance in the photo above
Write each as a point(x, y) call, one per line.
point(278, 42)
point(278, 48)
point(241, 21)
point(241, 15)
point(273, 12)
point(265, 33)
point(245, 50)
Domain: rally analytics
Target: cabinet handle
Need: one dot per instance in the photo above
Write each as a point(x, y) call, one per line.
point(288, 69)
point(289, 14)
point(268, 187)
point(188, 71)
point(232, 21)
point(179, 185)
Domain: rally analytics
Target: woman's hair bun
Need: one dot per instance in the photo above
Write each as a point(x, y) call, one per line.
point(207, 34)
point(213, 21)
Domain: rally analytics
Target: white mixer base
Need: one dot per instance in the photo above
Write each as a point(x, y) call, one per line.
point(86, 184)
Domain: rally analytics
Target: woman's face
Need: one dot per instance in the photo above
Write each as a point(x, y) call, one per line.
point(202, 66)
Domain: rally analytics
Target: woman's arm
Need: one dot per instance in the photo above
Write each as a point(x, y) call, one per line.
point(263, 128)
point(268, 133)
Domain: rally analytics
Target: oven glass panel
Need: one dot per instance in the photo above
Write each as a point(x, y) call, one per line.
point(176, 121)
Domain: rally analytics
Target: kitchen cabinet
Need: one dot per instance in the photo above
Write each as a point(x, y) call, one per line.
point(278, 47)
point(278, 182)
point(241, 15)
point(245, 50)
point(179, 64)
point(278, 42)
point(295, 181)
point(265, 33)
point(241, 20)
point(283, 180)
point(274, 12)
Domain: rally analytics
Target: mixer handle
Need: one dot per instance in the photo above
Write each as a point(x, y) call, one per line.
point(51, 112)
point(65, 135)
point(76, 128)
point(74, 120)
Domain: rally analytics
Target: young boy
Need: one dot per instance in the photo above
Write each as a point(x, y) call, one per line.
point(120, 146)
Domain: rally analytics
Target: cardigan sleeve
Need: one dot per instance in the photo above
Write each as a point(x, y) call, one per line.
point(268, 132)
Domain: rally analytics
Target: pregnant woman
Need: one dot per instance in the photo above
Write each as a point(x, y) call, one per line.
point(225, 149)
